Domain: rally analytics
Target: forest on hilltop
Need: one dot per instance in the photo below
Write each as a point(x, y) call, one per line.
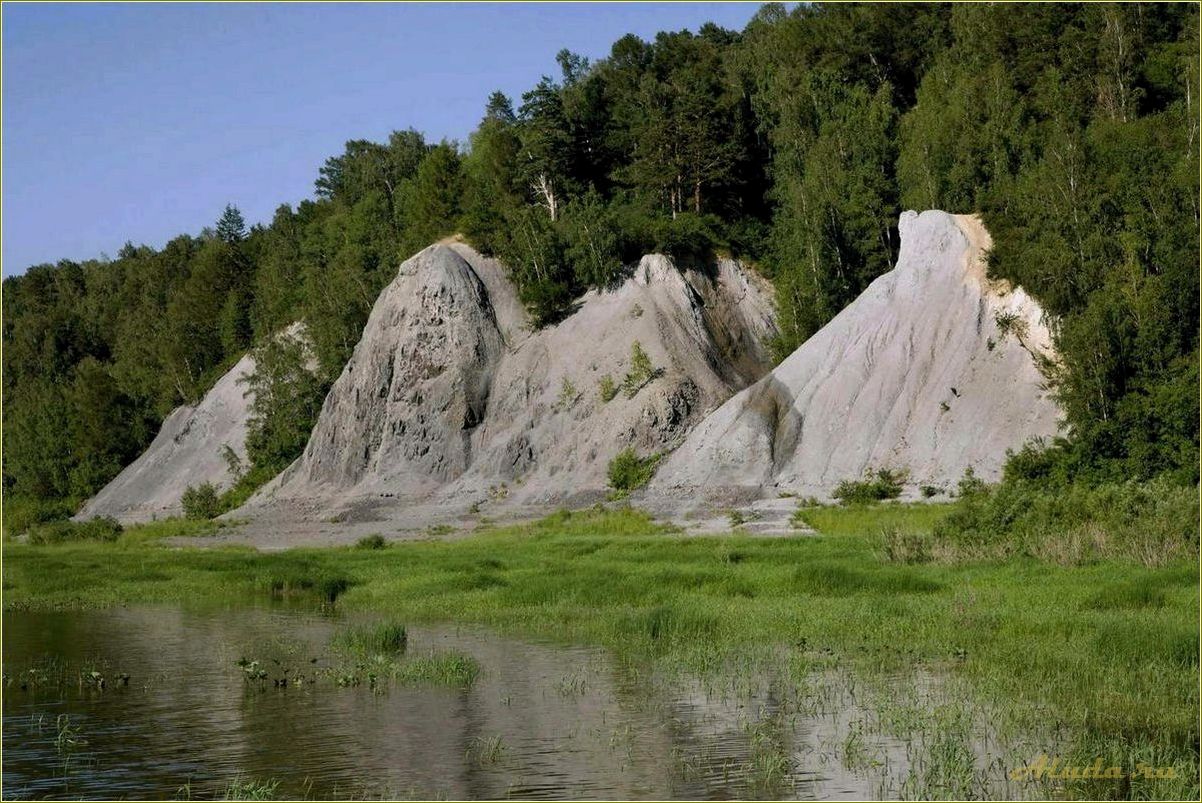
point(794, 144)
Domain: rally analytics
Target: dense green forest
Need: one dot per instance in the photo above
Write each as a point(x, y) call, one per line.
point(796, 143)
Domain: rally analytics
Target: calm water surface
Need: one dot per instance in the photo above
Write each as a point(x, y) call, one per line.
point(540, 721)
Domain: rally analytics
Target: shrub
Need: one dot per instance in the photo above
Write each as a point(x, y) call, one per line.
point(233, 462)
point(21, 513)
point(885, 484)
point(607, 388)
point(1035, 461)
point(628, 471)
point(201, 501)
point(567, 395)
point(928, 491)
point(970, 484)
point(58, 532)
point(246, 485)
point(641, 370)
point(1010, 323)
point(373, 541)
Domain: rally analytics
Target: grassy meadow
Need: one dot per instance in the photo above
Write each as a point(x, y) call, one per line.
point(1102, 652)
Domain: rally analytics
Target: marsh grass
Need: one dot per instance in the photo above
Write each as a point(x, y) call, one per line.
point(373, 541)
point(452, 669)
point(370, 654)
point(68, 737)
point(307, 581)
point(137, 534)
point(383, 638)
point(1081, 645)
point(1153, 523)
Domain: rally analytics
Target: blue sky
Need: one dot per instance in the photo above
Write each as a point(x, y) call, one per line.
point(137, 122)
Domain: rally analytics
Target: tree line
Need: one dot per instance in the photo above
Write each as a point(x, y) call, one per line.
point(795, 144)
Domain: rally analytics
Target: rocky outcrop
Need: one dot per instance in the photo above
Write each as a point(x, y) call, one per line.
point(934, 369)
point(188, 450)
point(191, 448)
point(449, 398)
point(551, 432)
point(400, 417)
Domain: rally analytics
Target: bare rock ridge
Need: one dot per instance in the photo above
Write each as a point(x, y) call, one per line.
point(451, 407)
point(450, 400)
point(188, 450)
point(932, 370)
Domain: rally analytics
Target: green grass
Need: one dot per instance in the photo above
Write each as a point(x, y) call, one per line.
point(1106, 651)
point(859, 520)
point(439, 669)
point(384, 638)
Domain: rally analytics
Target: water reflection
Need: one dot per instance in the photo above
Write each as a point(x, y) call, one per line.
point(541, 720)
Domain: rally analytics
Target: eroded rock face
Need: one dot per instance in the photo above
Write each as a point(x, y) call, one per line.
point(190, 449)
point(400, 416)
point(550, 434)
point(933, 369)
point(450, 398)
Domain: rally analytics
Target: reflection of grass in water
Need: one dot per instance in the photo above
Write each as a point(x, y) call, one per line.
point(1117, 665)
point(857, 754)
point(67, 736)
point(486, 750)
point(68, 739)
point(442, 668)
point(251, 789)
point(572, 685)
point(770, 764)
point(945, 765)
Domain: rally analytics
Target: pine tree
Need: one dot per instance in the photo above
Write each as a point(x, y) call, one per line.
point(231, 228)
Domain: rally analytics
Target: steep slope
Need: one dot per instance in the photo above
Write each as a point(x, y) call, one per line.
point(550, 434)
point(399, 417)
point(450, 400)
point(189, 449)
point(933, 369)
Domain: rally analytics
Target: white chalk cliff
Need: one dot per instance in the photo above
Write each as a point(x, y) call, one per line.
point(932, 369)
point(189, 449)
point(449, 397)
point(450, 400)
